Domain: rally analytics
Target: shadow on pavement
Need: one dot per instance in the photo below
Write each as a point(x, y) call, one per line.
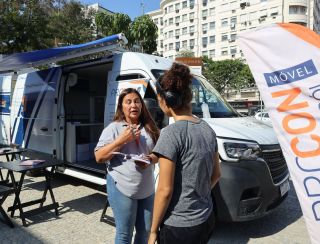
point(19, 234)
point(241, 232)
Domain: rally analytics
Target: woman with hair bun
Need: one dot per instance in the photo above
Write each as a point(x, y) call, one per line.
point(189, 166)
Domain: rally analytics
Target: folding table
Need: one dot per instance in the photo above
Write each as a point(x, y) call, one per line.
point(15, 166)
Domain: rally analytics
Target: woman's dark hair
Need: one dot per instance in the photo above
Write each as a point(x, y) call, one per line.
point(145, 118)
point(174, 86)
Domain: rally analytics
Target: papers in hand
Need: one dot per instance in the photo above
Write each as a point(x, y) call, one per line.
point(140, 158)
point(31, 162)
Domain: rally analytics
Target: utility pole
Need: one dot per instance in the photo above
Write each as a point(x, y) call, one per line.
point(142, 5)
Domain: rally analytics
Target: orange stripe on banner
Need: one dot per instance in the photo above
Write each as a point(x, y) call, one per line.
point(303, 33)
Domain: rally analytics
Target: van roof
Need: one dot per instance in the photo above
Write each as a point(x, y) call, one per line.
point(25, 60)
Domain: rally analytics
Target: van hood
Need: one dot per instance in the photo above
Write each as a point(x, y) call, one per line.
point(243, 128)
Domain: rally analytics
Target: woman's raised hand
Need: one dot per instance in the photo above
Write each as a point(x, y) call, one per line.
point(129, 134)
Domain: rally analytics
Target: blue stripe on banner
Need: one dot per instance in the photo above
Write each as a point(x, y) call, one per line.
point(292, 74)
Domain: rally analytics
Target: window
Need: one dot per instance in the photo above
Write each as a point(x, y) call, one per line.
point(224, 37)
point(212, 39)
point(224, 22)
point(191, 3)
point(184, 30)
point(170, 9)
point(155, 21)
point(225, 7)
point(184, 4)
point(274, 11)
point(177, 46)
point(129, 77)
point(212, 53)
point(177, 6)
point(170, 46)
point(177, 19)
point(191, 29)
point(171, 21)
point(204, 41)
point(233, 37)
point(212, 11)
point(165, 23)
point(161, 43)
point(184, 18)
point(233, 50)
point(204, 13)
point(212, 25)
point(165, 35)
point(224, 51)
point(184, 44)
point(191, 16)
point(161, 31)
point(204, 53)
point(170, 34)
point(177, 32)
point(204, 27)
point(296, 9)
point(191, 42)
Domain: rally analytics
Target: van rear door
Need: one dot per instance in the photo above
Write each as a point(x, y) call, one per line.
point(33, 110)
point(5, 101)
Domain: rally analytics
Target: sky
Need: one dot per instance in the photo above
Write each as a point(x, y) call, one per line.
point(129, 7)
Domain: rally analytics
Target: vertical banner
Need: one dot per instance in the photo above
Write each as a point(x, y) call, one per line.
point(285, 62)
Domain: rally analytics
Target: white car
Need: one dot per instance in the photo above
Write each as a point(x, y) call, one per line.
point(263, 116)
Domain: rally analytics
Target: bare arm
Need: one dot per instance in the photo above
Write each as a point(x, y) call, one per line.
point(163, 195)
point(103, 153)
point(216, 170)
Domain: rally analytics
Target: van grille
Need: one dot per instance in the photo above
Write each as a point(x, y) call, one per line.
point(274, 158)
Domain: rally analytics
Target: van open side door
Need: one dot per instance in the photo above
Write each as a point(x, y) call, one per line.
point(33, 123)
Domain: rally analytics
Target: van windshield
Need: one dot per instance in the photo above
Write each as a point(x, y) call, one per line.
point(206, 101)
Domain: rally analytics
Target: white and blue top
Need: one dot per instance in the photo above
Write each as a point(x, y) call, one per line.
point(131, 180)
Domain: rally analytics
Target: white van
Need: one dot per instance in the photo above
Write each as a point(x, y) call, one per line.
point(61, 111)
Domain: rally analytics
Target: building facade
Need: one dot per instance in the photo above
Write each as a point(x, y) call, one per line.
point(210, 27)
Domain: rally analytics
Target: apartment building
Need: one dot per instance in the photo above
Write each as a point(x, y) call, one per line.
point(210, 27)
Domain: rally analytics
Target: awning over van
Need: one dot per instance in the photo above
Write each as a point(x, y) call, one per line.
point(24, 60)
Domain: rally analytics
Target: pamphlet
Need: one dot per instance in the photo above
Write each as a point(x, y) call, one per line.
point(31, 162)
point(140, 158)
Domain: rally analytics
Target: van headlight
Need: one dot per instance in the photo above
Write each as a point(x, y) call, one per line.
point(242, 150)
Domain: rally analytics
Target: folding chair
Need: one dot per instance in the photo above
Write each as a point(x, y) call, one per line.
point(4, 193)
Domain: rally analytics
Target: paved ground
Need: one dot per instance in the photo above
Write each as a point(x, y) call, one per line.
point(81, 205)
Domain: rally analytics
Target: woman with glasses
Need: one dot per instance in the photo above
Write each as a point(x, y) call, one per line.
point(130, 183)
point(189, 166)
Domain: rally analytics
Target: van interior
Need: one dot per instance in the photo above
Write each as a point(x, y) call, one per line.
point(85, 94)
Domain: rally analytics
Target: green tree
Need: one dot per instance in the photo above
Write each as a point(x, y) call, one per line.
point(23, 25)
point(71, 25)
point(145, 32)
point(109, 24)
point(186, 53)
point(226, 74)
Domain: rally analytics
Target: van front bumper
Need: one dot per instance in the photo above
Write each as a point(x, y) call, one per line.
point(247, 191)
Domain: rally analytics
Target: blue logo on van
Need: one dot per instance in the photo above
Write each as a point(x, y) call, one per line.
point(292, 74)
